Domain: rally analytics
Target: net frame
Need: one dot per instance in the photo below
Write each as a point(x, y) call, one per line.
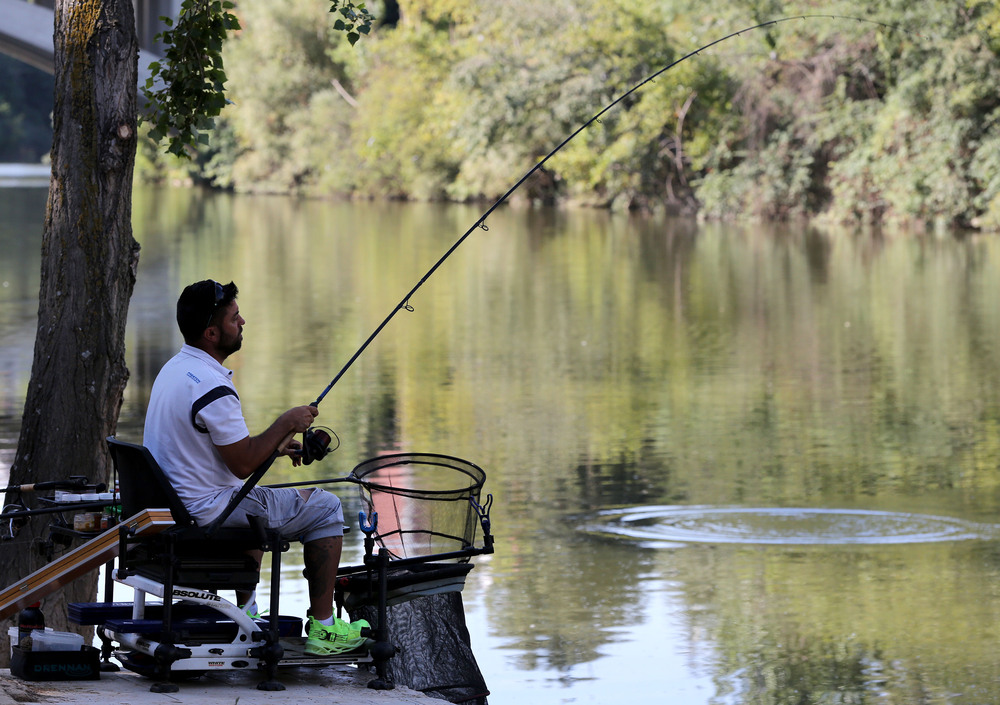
point(386, 475)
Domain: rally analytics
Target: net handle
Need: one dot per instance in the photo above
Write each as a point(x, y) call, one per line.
point(313, 483)
point(475, 474)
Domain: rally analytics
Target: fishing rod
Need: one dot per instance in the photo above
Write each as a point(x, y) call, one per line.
point(315, 442)
point(75, 482)
point(404, 304)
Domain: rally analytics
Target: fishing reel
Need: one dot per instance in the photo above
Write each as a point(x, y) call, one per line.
point(10, 526)
point(316, 443)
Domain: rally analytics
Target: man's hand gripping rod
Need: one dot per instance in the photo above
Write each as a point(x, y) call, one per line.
point(315, 446)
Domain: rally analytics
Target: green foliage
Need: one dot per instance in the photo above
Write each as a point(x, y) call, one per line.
point(400, 143)
point(354, 20)
point(920, 156)
point(186, 90)
point(882, 125)
point(291, 98)
point(525, 91)
point(775, 185)
point(985, 170)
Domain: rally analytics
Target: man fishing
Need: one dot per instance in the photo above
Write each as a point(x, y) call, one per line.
point(196, 432)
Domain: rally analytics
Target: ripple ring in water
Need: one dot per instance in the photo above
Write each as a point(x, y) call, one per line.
point(782, 526)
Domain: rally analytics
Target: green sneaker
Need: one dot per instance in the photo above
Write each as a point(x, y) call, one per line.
point(338, 638)
point(251, 611)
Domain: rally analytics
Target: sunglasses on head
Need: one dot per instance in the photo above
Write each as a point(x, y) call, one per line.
point(219, 296)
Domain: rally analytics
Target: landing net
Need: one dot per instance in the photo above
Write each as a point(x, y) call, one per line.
point(426, 503)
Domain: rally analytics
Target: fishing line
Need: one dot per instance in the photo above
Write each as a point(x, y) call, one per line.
point(404, 304)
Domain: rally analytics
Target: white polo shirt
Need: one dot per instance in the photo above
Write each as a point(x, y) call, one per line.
point(193, 407)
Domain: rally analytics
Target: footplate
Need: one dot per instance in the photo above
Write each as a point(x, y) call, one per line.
point(295, 655)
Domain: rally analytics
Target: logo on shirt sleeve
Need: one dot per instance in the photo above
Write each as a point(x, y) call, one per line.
point(191, 375)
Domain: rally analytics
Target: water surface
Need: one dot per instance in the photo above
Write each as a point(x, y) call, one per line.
point(821, 411)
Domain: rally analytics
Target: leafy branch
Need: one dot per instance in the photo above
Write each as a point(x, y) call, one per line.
point(354, 20)
point(185, 90)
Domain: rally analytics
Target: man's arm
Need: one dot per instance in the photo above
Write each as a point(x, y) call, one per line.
point(245, 456)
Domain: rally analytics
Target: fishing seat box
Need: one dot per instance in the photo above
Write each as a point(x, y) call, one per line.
point(82, 665)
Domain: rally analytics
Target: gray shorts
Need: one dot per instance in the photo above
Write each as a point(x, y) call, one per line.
point(318, 517)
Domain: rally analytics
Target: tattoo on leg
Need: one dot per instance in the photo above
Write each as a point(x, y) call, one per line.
point(316, 556)
point(322, 558)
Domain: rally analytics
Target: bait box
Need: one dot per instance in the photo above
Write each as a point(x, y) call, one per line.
point(13, 634)
point(56, 641)
point(48, 640)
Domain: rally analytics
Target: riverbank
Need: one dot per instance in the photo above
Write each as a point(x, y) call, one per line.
point(303, 686)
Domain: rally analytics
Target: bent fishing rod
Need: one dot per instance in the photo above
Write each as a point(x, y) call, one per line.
point(314, 444)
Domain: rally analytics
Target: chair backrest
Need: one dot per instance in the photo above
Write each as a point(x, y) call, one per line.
point(142, 482)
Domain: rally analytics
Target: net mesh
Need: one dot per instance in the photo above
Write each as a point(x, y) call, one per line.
point(422, 501)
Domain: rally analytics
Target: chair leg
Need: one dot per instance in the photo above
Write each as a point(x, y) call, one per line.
point(272, 652)
point(383, 649)
point(107, 648)
point(163, 684)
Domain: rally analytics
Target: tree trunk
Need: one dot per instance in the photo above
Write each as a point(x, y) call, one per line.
point(89, 258)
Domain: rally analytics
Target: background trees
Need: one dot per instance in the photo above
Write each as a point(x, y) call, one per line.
point(823, 116)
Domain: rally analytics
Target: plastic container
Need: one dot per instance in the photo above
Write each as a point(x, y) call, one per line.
point(56, 641)
point(14, 636)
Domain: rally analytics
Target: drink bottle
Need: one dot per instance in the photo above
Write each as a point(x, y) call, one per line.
point(29, 619)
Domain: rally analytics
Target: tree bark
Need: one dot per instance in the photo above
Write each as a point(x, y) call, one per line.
point(89, 259)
